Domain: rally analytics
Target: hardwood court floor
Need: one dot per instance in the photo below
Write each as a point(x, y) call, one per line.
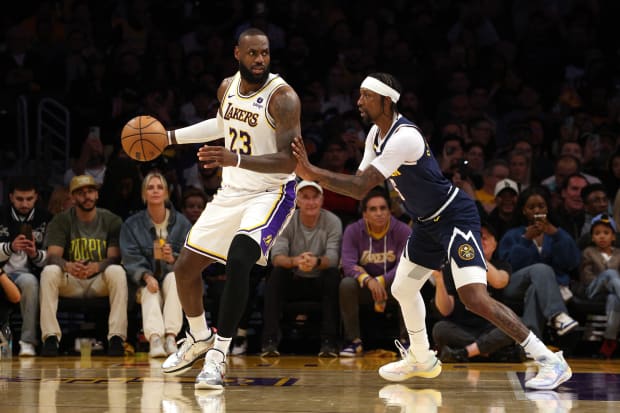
point(295, 384)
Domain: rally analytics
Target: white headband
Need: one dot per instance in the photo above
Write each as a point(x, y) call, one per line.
point(381, 88)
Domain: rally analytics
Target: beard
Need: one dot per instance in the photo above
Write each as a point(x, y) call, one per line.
point(82, 206)
point(365, 118)
point(248, 76)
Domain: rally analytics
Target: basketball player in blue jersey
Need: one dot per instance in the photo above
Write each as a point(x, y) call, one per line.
point(447, 226)
point(258, 117)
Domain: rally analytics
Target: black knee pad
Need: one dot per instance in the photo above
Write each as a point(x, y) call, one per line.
point(243, 249)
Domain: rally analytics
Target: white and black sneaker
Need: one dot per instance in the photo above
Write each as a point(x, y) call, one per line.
point(191, 350)
point(211, 376)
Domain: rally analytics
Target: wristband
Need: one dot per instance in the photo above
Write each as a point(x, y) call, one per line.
point(318, 263)
point(238, 160)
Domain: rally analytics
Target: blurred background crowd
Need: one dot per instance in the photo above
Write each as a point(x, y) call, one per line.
point(525, 90)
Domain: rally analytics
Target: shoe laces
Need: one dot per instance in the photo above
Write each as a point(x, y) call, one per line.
point(185, 343)
point(404, 352)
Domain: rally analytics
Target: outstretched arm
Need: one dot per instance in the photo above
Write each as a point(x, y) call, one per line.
point(205, 131)
point(354, 186)
point(285, 109)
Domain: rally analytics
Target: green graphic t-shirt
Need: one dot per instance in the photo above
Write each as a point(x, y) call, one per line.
point(84, 241)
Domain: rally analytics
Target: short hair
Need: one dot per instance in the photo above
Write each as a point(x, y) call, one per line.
point(148, 177)
point(251, 31)
point(484, 223)
point(193, 192)
point(588, 189)
point(571, 176)
point(22, 183)
point(490, 166)
point(377, 191)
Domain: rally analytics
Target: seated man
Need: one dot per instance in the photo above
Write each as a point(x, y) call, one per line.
point(22, 229)
point(83, 257)
point(305, 260)
point(463, 334)
point(371, 248)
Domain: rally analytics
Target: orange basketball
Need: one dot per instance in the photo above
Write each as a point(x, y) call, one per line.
point(144, 138)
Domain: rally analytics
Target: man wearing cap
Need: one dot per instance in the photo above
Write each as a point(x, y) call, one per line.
point(600, 278)
point(447, 227)
point(504, 216)
point(305, 266)
point(83, 260)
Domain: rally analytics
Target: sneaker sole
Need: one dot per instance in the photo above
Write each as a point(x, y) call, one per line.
point(566, 329)
point(428, 374)
point(568, 373)
point(207, 386)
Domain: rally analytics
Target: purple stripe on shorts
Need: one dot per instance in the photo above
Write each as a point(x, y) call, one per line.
point(279, 217)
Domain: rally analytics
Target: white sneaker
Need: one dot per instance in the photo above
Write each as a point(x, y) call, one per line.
point(26, 349)
point(171, 345)
point(551, 373)
point(211, 377)
point(409, 367)
point(189, 352)
point(156, 347)
point(563, 323)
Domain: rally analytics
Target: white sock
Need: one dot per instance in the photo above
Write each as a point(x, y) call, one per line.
point(535, 348)
point(198, 327)
point(222, 344)
point(414, 316)
point(406, 287)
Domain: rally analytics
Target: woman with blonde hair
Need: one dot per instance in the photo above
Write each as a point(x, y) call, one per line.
point(150, 243)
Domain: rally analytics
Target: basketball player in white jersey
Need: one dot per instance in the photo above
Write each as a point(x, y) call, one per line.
point(258, 117)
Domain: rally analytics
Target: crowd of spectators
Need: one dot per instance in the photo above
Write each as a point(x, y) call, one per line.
point(513, 92)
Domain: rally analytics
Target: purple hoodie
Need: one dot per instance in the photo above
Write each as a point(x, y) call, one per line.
point(378, 256)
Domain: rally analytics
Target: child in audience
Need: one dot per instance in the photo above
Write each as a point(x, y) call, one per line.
point(599, 274)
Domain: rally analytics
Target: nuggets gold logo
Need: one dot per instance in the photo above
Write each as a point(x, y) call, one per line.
point(466, 252)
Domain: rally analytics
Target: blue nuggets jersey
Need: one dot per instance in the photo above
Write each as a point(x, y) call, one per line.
point(448, 225)
point(420, 184)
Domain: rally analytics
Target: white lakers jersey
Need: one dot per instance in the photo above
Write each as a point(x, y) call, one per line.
point(250, 130)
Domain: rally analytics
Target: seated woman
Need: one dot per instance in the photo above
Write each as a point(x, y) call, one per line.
point(150, 243)
point(541, 256)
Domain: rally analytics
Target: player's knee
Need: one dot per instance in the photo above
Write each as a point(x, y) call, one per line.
point(476, 298)
point(243, 249)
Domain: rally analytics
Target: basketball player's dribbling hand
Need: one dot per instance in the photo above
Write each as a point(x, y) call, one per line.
point(214, 156)
point(304, 167)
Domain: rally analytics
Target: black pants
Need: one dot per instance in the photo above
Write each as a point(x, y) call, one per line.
point(283, 286)
point(489, 338)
